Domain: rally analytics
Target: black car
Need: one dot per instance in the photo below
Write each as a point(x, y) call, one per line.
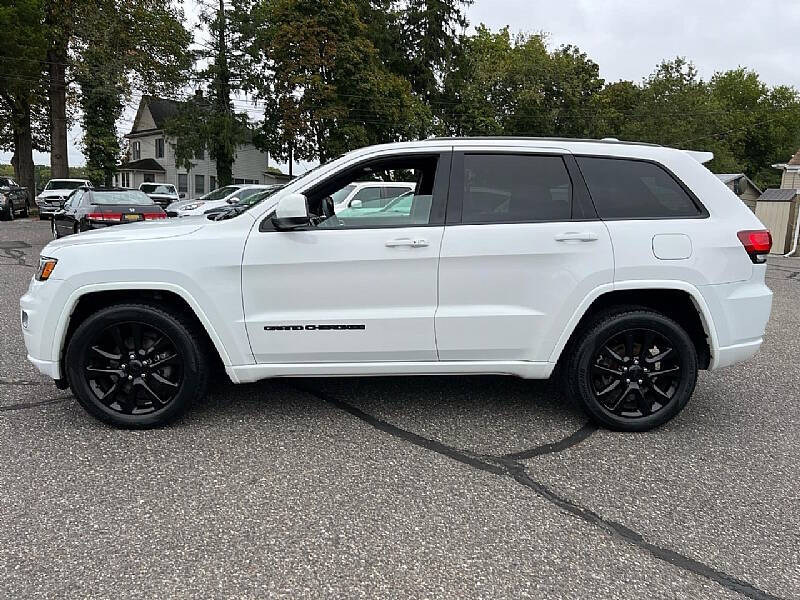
point(95, 208)
point(13, 199)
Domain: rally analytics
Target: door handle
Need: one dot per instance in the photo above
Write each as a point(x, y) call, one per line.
point(411, 243)
point(576, 236)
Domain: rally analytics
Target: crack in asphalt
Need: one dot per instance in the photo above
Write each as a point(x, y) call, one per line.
point(509, 466)
point(28, 382)
point(13, 250)
point(25, 405)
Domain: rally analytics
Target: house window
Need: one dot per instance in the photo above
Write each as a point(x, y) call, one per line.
point(212, 183)
point(160, 148)
point(200, 154)
point(183, 183)
point(137, 150)
point(199, 185)
point(149, 178)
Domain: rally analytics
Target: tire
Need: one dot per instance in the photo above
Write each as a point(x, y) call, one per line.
point(632, 369)
point(26, 210)
point(10, 210)
point(168, 373)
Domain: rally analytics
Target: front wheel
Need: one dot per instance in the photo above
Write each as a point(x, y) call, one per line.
point(26, 209)
point(633, 369)
point(136, 366)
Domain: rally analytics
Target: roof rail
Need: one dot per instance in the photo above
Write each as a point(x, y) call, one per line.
point(544, 139)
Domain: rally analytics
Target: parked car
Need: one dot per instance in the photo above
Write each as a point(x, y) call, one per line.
point(98, 208)
point(13, 199)
point(242, 205)
point(370, 195)
point(55, 193)
point(627, 266)
point(224, 196)
point(162, 194)
point(400, 205)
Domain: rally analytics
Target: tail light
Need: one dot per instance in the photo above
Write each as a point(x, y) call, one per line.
point(105, 217)
point(153, 216)
point(757, 244)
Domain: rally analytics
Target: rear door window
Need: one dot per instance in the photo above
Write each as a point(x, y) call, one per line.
point(515, 188)
point(634, 189)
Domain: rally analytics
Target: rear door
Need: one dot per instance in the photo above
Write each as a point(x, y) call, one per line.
point(522, 249)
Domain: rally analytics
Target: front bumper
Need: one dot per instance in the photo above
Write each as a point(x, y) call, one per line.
point(39, 324)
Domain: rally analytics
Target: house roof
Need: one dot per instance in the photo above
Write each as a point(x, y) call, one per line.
point(778, 195)
point(795, 160)
point(144, 164)
point(726, 178)
point(162, 110)
point(792, 165)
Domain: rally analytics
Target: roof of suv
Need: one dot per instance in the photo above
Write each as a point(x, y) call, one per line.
point(540, 139)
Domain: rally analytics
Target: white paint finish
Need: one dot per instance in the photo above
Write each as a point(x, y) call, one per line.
point(506, 292)
point(672, 246)
point(509, 296)
point(341, 277)
point(523, 369)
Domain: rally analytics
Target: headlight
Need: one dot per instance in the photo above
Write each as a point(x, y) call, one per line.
point(192, 206)
point(2, 198)
point(46, 266)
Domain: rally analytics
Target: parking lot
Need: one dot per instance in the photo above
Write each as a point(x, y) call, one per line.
point(401, 487)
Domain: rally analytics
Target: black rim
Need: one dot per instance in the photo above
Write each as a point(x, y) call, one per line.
point(635, 373)
point(133, 368)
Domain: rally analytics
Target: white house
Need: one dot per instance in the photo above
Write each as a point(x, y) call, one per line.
point(151, 156)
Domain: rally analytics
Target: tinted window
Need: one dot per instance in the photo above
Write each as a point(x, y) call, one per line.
point(506, 188)
point(631, 189)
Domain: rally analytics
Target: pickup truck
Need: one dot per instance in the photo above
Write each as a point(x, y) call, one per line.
point(13, 199)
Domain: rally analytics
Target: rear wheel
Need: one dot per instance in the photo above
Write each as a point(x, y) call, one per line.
point(136, 366)
point(633, 369)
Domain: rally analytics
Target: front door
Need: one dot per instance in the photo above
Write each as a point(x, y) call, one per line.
point(354, 287)
point(522, 249)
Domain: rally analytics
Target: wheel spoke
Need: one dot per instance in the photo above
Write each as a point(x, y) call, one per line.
point(666, 371)
point(164, 360)
point(660, 392)
point(628, 344)
point(127, 401)
point(611, 387)
point(659, 357)
point(613, 354)
point(108, 355)
point(161, 379)
point(136, 331)
point(115, 333)
point(645, 406)
point(109, 393)
point(644, 351)
point(154, 345)
point(156, 398)
point(607, 370)
point(117, 372)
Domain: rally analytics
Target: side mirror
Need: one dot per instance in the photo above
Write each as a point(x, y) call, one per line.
point(182, 195)
point(355, 204)
point(291, 213)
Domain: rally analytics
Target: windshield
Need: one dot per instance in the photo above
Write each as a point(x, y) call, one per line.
point(339, 196)
point(158, 188)
point(62, 184)
point(246, 193)
point(120, 197)
point(256, 198)
point(219, 194)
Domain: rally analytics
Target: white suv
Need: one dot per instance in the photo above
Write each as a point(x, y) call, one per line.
point(629, 266)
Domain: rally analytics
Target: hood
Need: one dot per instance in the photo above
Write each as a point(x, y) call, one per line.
point(130, 232)
point(55, 193)
point(154, 195)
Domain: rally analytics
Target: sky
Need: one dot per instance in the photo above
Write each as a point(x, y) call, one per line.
point(628, 38)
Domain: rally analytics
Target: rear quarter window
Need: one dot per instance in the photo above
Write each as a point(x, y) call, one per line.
point(634, 189)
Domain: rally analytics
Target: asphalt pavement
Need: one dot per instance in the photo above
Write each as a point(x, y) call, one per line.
point(416, 487)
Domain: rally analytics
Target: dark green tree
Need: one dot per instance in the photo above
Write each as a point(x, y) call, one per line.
point(22, 113)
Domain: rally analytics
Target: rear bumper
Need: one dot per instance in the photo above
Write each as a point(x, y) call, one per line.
point(740, 312)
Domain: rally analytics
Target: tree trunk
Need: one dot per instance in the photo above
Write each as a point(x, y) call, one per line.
point(59, 160)
point(23, 149)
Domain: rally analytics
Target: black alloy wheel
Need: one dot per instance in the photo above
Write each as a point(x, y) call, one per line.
point(26, 209)
point(137, 365)
point(632, 369)
point(133, 368)
point(635, 373)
